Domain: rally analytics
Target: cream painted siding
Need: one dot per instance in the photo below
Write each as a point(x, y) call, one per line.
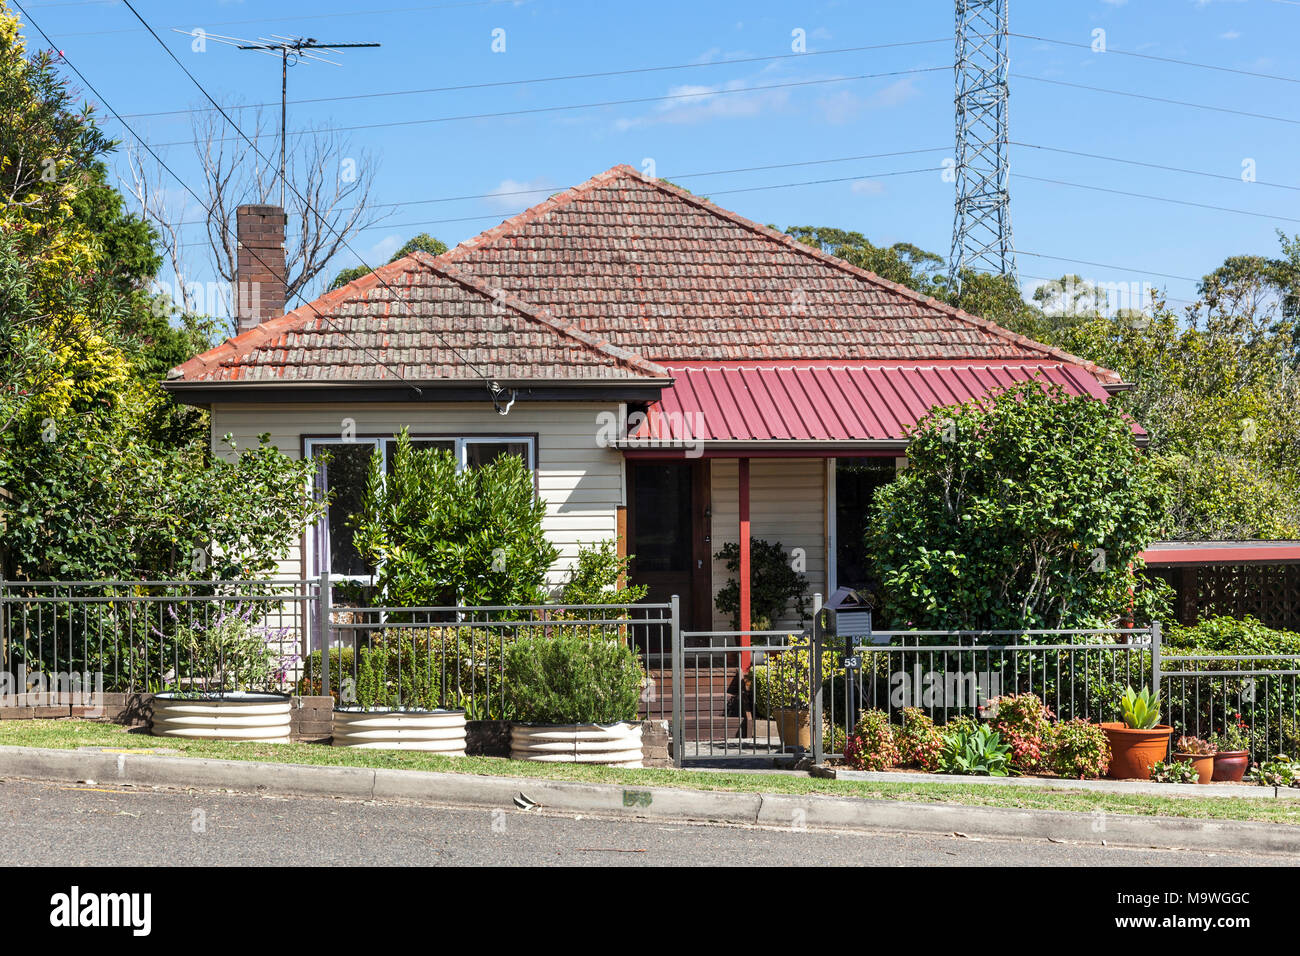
point(787, 503)
point(581, 482)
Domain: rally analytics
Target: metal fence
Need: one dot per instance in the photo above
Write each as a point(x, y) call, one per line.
point(1206, 694)
point(219, 636)
point(727, 694)
point(1075, 672)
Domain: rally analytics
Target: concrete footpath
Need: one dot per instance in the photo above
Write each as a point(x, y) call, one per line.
point(786, 811)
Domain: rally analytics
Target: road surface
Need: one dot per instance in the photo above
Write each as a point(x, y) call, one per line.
point(85, 825)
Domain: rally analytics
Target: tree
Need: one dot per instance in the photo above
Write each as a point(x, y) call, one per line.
point(1026, 510)
point(421, 243)
point(104, 476)
point(440, 537)
point(328, 196)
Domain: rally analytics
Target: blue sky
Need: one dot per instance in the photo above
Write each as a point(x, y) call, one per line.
point(1131, 240)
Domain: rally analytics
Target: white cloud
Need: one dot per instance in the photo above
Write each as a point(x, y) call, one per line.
point(512, 194)
point(698, 103)
point(868, 187)
point(1230, 35)
point(844, 106)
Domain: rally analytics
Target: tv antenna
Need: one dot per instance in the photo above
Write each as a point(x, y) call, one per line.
point(291, 51)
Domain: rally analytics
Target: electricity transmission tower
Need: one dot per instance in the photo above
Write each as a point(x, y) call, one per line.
point(981, 229)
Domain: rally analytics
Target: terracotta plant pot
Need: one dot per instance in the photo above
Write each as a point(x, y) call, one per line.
point(795, 726)
point(1204, 764)
point(1134, 752)
point(1230, 766)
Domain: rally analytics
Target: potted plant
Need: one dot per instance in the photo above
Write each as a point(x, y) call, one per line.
point(1232, 752)
point(393, 701)
point(225, 682)
point(573, 697)
point(783, 692)
point(775, 587)
point(1139, 740)
point(1197, 752)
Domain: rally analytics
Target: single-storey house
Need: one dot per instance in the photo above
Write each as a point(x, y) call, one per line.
point(674, 374)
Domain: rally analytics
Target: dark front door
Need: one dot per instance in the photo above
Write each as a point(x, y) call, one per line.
point(668, 534)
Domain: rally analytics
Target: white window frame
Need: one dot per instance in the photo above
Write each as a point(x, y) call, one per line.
point(461, 442)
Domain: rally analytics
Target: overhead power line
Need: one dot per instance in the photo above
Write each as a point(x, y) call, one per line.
point(184, 185)
point(495, 390)
point(1111, 51)
point(584, 106)
point(603, 74)
point(1160, 166)
point(1168, 199)
point(1159, 99)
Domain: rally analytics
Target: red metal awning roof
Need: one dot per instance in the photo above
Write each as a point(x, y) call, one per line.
point(828, 402)
point(1175, 553)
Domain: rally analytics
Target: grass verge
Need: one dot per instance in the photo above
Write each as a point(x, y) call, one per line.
point(71, 734)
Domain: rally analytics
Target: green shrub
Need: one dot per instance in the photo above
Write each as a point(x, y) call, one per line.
point(441, 537)
point(568, 678)
point(961, 724)
point(595, 576)
point(920, 742)
point(1023, 721)
point(397, 672)
point(1026, 508)
point(833, 738)
point(871, 746)
point(775, 586)
point(781, 679)
point(1078, 749)
point(232, 653)
point(979, 752)
point(341, 667)
point(1174, 771)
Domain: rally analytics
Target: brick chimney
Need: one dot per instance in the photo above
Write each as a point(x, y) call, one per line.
point(260, 276)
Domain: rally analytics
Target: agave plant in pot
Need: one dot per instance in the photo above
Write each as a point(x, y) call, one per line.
point(225, 680)
point(573, 698)
point(1139, 740)
point(1231, 751)
point(393, 700)
point(1197, 752)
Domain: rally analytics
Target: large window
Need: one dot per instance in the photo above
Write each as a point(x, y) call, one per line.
point(344, 473)
point(856, 481)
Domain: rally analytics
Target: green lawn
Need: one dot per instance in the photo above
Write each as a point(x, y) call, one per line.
point(67, 734)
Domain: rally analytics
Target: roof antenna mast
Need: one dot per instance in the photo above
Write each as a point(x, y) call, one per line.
point(981, 231)
point(291, 51)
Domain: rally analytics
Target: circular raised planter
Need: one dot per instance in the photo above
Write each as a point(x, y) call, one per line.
point(1133, 752)
point(433, 731)
point(253, 717)
point(612, 745)
point(1230, 765)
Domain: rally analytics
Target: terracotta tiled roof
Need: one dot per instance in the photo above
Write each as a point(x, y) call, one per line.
point(675, 278)
point(445, 325)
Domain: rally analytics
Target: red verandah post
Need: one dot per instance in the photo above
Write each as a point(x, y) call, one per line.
point(744, 561)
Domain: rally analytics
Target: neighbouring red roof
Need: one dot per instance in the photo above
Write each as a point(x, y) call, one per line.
point(446, 326)
point(671, 276)
point(1173, 553)
point(826, 402)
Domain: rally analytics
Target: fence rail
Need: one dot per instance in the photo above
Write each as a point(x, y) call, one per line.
point(727, 694)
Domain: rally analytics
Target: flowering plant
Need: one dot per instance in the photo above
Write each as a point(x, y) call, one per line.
point(1024, 721)
point(1194, 746)
point(871, 746)
point(1234, 738)
point(1076, 748)
point(919, 741)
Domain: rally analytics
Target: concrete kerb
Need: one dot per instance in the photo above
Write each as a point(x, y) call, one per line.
point(656, 803)
point(1142, 787)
